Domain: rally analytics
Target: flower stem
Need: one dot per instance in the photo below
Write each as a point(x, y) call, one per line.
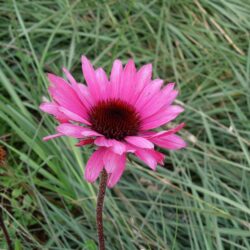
point(5, 232)
point(100, 200)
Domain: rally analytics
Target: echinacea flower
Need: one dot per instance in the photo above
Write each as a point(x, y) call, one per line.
point(118, 115)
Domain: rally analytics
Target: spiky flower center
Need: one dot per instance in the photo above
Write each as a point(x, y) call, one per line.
point(115, 119)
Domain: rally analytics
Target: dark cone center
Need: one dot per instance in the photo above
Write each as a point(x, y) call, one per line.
point(115, 119)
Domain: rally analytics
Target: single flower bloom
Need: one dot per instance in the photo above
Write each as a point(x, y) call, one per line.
point(117, 115)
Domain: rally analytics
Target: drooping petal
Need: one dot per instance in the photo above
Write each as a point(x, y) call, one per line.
point(50, 137)
point(118, 171)
point(94, 165)
point(53, 109)
point(165, 132)
point(117, 146)
point(150, 157)
point(72, 116)
point(130, 148)
point(103, 142)
point(139, 142)
point(48, 107)
point(163, 116)
point(75, 131)
point(172, 142)
point(111, 160)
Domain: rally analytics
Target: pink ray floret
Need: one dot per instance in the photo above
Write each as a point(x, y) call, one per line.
point(118, 115)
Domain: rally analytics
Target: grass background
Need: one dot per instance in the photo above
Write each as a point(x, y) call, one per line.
point(200, 199)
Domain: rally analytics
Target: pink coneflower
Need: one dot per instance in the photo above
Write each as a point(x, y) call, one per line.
point(117, 115)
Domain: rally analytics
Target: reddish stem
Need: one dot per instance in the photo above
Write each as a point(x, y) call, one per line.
point(99, 208)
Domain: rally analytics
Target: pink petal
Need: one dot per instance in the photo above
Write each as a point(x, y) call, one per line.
point(102, 80)
point(49, 107)
point(139, 141)
point(75, 131)
point(88, 72)
point(50, 137)
point(161, 99)
point(172, 142)
point(171, 97)
point(84, 95)
point(90, 77)
point(150, 157)
point(162, 117)
point(78, 89)
point(65, 96)
point(143, 77)
point(117, 146)
point(72, 116)
point(127, 84)
point(70, 130)
point(148, 93)
point(69, 77)
point(53, 109)
point(115, 78)
point(118, 171)
point(111, 160)
point(94, 165)
point(165, 132)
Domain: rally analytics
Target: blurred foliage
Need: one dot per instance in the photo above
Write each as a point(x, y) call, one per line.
point(200, 199)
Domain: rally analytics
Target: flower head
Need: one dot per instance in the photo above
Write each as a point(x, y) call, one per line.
point(117, 115)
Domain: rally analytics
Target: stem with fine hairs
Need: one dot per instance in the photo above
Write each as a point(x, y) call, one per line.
point(5, 231)
point(100, 200)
